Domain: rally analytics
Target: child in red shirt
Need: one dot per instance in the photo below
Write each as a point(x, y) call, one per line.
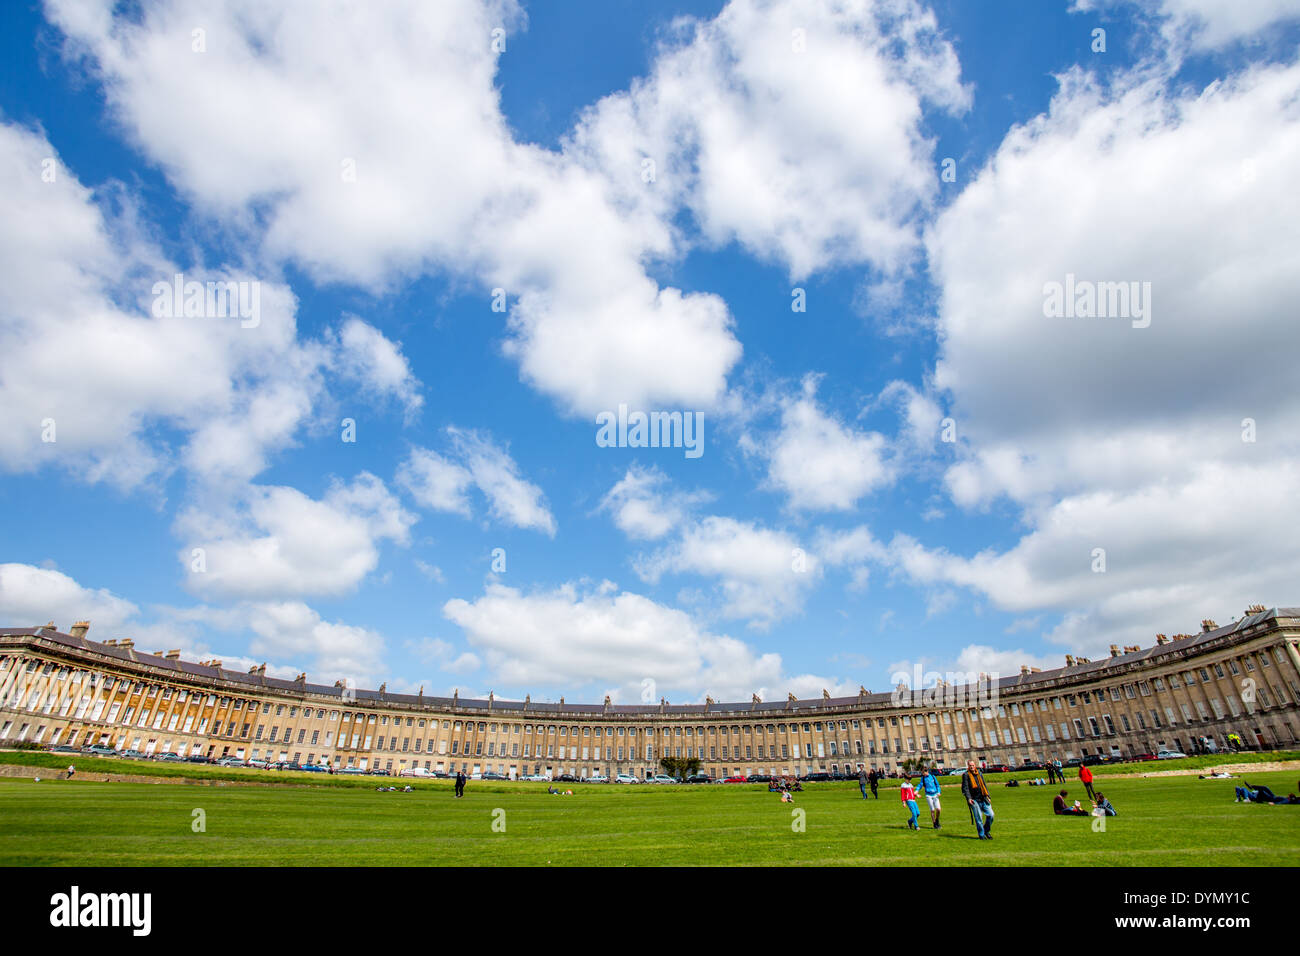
point(908, 795)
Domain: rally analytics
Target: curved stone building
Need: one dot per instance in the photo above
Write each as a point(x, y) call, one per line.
point(1185, 690)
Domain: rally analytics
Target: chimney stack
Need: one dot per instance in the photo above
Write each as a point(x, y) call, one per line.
point(174, 655)
point(111, 642)
point(1024, 670)
point(127, 643)
point(1208, 625)
point(80, 628)
point(1069, 660)
point(1162, 639)
point(1114, 650)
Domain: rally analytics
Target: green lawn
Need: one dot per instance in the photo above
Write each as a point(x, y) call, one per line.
point(1163, 821)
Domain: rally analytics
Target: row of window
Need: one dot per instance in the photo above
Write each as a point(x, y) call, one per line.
point(92, 708)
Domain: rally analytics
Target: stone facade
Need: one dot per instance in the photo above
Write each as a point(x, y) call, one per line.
point(1243, 678)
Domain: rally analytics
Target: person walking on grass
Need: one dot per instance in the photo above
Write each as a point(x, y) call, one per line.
point(460, 783)
point(862, 781)
point(1060, 773)
point(875, 783)
point(908, 796)
point(930, 787)
point(1085, 778)
point(976, 792)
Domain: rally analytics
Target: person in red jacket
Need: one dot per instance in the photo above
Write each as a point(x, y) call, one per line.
point(908, 795)
point(1085, 778)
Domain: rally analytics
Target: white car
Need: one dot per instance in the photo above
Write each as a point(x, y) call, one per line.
point(416, 772)
point(626, 778)
point(537, 777)
point(597, 778)
point(662, 778)
point(1169, 755)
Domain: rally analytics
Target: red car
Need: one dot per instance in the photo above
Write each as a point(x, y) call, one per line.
point(736, 780)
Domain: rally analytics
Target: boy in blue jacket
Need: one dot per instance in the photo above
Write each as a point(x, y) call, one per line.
point(930, 786)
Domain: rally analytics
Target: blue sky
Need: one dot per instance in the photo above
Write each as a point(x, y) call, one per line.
point(377, 175)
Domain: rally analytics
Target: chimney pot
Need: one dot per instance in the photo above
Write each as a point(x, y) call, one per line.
point(80, 628)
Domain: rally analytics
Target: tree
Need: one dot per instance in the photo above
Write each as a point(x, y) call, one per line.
point(915, 763)
point(680, 767)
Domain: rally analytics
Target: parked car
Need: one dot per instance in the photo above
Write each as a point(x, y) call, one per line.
point(740, 778)
point(758, 778)
point(815, 776)
point(492, 775)
point(535, 777)
point(626, 778)
point(133, 755)
point(379, 772)
point(598, 778)
point(353, 770)
point(567, 778)
point(662, 778)
point(98, 751)
point(415, 772)
point(198, 758)
point(314, 768)
point(1169, 754)
point(169, 758)
point(64, 749)
point(230, 762)
point(1145, 757)
point(258, 763)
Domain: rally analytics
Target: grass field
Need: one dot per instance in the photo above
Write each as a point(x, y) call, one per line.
point(1163, 821)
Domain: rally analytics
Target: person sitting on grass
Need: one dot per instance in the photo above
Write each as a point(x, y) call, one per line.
point(908, 795)
point(1062, 809)
point(1101, 806)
